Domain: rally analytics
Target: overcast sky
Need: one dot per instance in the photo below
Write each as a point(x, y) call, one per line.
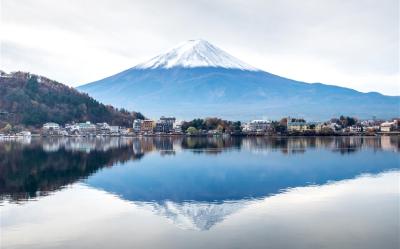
point(351, 43)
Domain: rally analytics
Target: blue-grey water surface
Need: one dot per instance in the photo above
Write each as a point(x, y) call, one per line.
point(305, 192)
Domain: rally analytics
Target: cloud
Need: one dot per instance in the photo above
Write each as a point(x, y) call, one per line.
point(347, 43)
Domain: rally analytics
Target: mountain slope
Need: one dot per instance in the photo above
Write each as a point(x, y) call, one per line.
point(33, 100)
point(197, 79)
point(195, 53)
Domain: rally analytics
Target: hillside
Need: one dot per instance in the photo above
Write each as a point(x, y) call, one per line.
point(197, 79)
point(32, 100)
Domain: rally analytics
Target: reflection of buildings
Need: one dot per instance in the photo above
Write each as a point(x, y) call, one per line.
point(143, 145)
point(83, 144)
point(287, 145)
point(389, 143)
point(345, 144)
point(56, 162)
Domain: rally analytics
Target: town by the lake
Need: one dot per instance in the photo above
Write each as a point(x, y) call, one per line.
point(169, 126)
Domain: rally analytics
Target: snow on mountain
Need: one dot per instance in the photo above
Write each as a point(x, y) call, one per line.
point(193, 215)
point(197, 79)
point(195, 53)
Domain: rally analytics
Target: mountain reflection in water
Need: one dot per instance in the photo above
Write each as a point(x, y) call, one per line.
point(195, 182)
point(44, 165)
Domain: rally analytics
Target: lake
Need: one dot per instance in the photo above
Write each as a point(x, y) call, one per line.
point(259, 192)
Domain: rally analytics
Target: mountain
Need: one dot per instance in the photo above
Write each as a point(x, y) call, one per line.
point(197, 79)
point(199, 216)
point(32, 100)
point(195, 53)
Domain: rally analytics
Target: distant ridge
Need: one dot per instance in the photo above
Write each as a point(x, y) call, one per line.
point(197, 79)
point(29, 99)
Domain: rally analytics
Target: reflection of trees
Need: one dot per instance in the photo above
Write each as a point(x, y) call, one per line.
point(34, 168)
point(346, 145)
point(210, 145)
point(84, 144)
point(28, 170)
point(291, 145)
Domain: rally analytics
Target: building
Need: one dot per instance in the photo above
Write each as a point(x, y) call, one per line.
point(388, 126)
point(81, 128)
point(102, 128)
point(165, 124)
point(114, 129)
point(24, 134)
point(356, 128)
point(325, 127)
point(319, 127)
point(147, 125)
point(87, 128)
point(373, 128)
point(124, 131)
point(296, 125)
point(51, 126)
point(170, 120)
point(257, 126)
point(163, 127)
point(177, 127)
point(137, 125)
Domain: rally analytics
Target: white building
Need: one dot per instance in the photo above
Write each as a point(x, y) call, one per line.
point(165, 124)
point(102, 128)
point(355, 128)
point(123, 131)
point(257, 126)
point(51, 126)
point(24, 134)
point(81, 128)
point(388, 126)
point(114, 129)
point(137, 125)
point(297, 125)
point(177, 127)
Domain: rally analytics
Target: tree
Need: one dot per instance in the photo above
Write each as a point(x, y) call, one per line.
point(236, 126)
point(33, 102)
point(347, 121)
point(198, 123)
point(279, 126)
point(191, 130)
point(7, 128)
point(32, 84)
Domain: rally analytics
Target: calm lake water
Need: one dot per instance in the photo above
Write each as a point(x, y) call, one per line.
point(316, 192)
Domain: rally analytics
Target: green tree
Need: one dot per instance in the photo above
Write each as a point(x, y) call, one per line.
point(6, 128)
point(236, 126)
point(191, 130)
point(347, 121)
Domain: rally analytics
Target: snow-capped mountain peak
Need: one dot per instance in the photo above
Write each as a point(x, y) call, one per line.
point(199, 216)
point(195, 53)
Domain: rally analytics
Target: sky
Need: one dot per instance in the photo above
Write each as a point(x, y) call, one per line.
point(350, 43)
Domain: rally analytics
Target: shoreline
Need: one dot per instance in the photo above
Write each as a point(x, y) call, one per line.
point(7, 137)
